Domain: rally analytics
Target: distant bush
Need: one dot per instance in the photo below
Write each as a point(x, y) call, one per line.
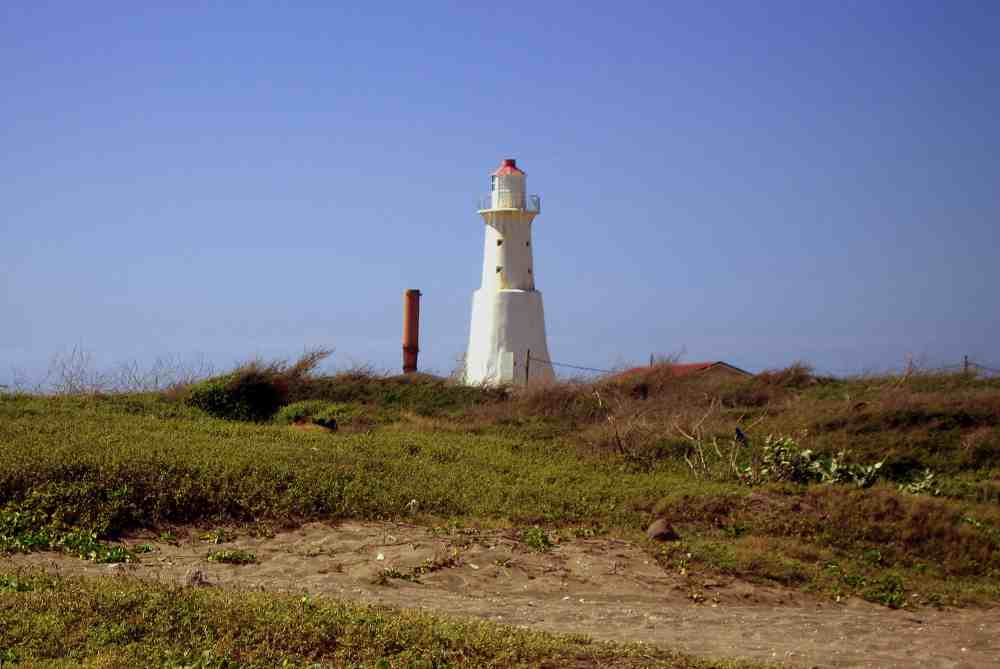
point(243, 395)
point(252, 392)
point(798, 375)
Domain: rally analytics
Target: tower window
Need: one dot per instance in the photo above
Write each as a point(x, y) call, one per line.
point(528, 243)
point(499, 242)
point(499, 269)
point(529, 270)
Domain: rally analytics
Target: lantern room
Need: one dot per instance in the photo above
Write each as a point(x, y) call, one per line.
point(507, 186)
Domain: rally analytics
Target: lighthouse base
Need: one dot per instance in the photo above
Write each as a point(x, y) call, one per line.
point(506, 325)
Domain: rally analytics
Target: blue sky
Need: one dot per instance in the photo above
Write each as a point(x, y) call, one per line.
point(754, 182)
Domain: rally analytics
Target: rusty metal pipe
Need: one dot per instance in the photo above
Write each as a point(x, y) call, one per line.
point(411, 329)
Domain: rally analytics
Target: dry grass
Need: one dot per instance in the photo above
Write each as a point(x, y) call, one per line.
point(612, 452)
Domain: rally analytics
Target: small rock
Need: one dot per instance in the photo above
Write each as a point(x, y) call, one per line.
point(661, 530)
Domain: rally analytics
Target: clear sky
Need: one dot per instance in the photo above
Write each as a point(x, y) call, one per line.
point(754, 182)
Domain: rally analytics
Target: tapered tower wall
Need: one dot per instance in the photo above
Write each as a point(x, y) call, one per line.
point(508, 319)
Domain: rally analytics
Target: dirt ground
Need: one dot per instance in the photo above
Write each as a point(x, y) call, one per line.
point(605, 588)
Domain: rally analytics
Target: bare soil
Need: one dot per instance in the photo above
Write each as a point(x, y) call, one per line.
point(608, 589)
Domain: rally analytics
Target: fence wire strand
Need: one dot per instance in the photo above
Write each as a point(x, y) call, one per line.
point(963, 366)
point(564, 364)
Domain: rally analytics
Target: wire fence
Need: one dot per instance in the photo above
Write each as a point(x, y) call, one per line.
point(967, 366)
point(581, 368)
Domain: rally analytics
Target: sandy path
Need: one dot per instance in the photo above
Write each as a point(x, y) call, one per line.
point(605, 588)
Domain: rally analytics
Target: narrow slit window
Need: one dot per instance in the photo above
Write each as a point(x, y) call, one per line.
point(499, 242)
point(528, 243)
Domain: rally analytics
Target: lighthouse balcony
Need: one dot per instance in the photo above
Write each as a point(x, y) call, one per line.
point(511, 200)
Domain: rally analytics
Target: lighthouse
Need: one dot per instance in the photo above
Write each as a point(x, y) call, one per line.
point(508, 322)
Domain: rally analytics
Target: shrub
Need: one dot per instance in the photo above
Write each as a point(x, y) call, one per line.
point(782, 459)
point(537, 539)
point(253, 391)
point(246, 394)
point(798, 375)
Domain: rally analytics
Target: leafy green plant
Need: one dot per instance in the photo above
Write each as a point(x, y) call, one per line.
point(887, 590)
point(232, 556)
point(924, 484)
point(217, 536)
point(781, 459)
point(537, 539)
point(28, 531)
point(9, 583)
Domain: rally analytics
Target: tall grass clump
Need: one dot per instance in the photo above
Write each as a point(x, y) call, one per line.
point(254, 391)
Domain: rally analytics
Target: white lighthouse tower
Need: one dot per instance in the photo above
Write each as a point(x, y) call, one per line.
point(508, 323)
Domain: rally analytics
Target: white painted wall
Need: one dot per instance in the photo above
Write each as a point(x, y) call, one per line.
point(508, 247)
point(508, 192)
point(506, 323)
point(508, 319)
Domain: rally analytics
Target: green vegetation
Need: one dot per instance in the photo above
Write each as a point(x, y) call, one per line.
point(252, 392)
point(217, 536)
point(232, 556)
point(536, 538)
point(116, 622)
point(826, 476)
point(331, 415)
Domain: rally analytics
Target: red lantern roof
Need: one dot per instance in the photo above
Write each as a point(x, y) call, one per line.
point(508, 167)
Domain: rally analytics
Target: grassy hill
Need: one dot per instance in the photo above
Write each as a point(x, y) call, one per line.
point(887, 488)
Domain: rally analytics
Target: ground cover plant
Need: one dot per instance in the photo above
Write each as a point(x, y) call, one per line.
point(885, 487)
point(121, 622)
